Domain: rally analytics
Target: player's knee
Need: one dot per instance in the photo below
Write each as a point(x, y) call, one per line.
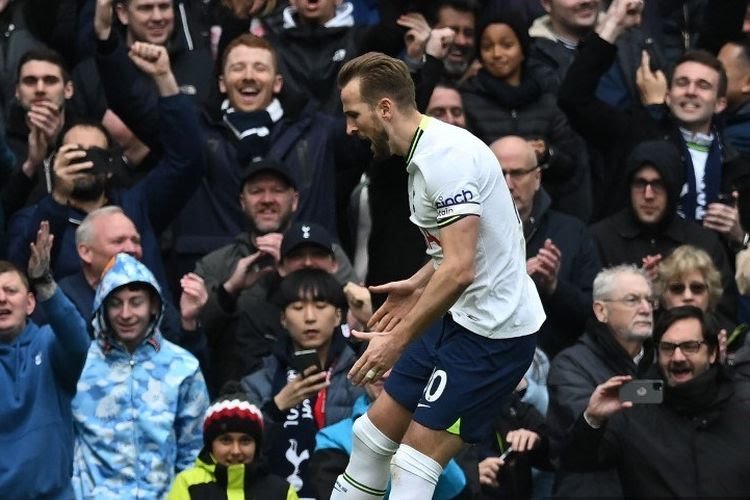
point(417, 463)
point(371, 437)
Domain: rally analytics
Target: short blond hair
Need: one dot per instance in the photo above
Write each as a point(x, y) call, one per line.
point(683, 260)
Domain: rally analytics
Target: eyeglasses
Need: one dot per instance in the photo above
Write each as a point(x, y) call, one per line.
point(687, 347)
point(657, 185)
point(518, 173)
point(634, 301)
point(695, 288)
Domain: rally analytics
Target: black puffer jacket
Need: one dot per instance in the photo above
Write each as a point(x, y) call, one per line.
point(495, 109)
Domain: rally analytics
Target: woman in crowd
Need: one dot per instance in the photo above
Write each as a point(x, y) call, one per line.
point(507, 98)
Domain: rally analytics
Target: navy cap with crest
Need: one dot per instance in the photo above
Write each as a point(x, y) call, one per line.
point(304, 233)
point(269, 166)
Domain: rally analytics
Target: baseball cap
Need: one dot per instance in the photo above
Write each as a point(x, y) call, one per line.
point(305, 233)
point(271, 166)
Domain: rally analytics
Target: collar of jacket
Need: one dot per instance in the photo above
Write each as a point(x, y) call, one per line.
point(628, 227)
point(599, 337)
point(539, 207)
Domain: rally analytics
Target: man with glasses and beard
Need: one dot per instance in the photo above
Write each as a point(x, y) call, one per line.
point(694, 444)
point(82, 172)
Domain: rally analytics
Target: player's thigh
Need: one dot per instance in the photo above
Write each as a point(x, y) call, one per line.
point(441, 446)
point(389, 417)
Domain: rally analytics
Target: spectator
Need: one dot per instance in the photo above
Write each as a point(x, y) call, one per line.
point(82, 182)
point(300, 400)
point(159, 22)
point(255, 123)
point(333, 445)
point(683, 112)
point(36, 119)
point(694, 444)
point(140, 399)
point(616, 342)
point(269, 199)
point(229, 463)
point(649, 229)
point(460, 16)
point(40, 367)
point(561, 253)
point(447, 105)
point(506, 97)
point(735, 56)
point(557, 35)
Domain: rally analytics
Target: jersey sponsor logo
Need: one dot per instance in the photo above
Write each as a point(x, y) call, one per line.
point(465, 196)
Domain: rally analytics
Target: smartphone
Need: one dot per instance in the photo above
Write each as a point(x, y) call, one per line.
point(726, 199)
point(305, 359)
point(647, 391)
point(507, 454)
point(102, 159)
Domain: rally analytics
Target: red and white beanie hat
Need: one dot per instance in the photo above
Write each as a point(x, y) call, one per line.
point(232, 415)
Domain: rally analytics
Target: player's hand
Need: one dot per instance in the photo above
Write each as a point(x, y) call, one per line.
point(488, 469)
point(300, 388)
point(381, 354)
point(402, 295)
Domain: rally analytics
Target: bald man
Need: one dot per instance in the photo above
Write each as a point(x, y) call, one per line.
point(560, 252)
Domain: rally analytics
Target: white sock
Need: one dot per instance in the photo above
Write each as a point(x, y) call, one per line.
point(413, 474)
point(366, 476)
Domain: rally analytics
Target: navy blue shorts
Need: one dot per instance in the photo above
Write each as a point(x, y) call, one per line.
point(458, 381)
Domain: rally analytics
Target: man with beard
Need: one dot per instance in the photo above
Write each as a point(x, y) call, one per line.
point(81, 177)
point(474, 297)
point(694, 444)
point(268, 198)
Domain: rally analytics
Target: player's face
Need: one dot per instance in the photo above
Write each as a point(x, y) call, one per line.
point(693, 96)
point(42, 81)
point(130, 313)
point(150, 21)
point(462, 48)
point(446, 105)
point(268, 202)
point(233, 448)
point(648, 196)
point(679, 366)
point(362, 121)
point(16, 303)
point(310, 322)
point(249, 78)
point(501, 53)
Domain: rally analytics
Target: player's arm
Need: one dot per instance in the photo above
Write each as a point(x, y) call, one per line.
point(450, 279)
point(456, 272)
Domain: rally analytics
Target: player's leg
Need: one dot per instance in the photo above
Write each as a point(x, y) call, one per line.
point(378, 433)
point(473, 378)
